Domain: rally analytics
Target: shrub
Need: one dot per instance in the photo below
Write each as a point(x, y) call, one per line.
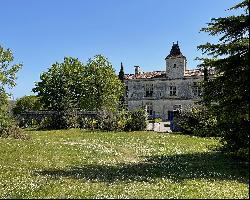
point(112, 120)
point(155, 120)
point(137, 120)
point(196, 121)
point(87, 122)
point(61, 120)
point(8, 128)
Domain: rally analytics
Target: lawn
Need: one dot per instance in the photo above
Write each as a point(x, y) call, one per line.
point(83, 164)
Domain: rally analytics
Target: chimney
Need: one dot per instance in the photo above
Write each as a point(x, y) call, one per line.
point(137, 70)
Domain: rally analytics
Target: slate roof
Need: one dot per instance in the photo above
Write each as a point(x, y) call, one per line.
point(175, 51)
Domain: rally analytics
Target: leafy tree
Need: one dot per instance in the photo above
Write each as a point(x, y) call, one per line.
point(62, 89)
point(27, 103)
point(71, 86)
point(7, 79)
point(103, 88)
point(62, 85)
point(227, 94)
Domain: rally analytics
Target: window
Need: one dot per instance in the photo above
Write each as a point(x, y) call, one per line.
point(172, 90)
point(196, 88)
point(149, 89)
point(174, 65)
point(149, 108)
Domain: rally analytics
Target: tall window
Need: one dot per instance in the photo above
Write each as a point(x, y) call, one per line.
point(172, 90)
point(196, 88)
point(149, 89)
point(149, 108)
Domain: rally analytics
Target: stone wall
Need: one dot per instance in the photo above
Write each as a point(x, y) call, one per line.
point(161, 100)
point(175, 67)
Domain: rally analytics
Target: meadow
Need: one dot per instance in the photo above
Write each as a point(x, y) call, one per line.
point(84, 164)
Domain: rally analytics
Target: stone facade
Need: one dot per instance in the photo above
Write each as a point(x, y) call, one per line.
point(161, 92)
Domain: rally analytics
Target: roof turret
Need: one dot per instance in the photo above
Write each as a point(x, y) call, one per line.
point(175, 51)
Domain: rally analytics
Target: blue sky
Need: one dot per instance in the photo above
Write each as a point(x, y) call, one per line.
point(135, 32)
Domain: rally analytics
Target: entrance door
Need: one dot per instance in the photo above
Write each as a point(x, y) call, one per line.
point(169, 115)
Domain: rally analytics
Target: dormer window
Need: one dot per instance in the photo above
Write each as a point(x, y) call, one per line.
point(174, 65)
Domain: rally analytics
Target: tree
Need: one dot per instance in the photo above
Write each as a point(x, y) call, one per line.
point(227, 94)
point(121, 73)
point(27, 103)
point(72, 85)
point(103, 88)
point(122, 98)
point(62, 85)
point(7, 79)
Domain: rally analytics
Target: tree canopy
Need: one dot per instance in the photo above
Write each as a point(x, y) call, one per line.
point(73, 85)
point(8, 77)
point(227, 94)
point(61, 86)
point(27, 103)
point(103, 86)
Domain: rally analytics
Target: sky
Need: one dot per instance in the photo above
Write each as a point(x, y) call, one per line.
point(134, 32)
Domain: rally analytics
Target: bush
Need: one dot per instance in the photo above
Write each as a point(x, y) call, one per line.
point(112, 120)
point(61, 120)
point(155, 120)
point(87, 123)
point(137, 120)
point(8, 128)
point(196, 121)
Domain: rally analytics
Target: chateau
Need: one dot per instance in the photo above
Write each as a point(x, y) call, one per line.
point(163, 92)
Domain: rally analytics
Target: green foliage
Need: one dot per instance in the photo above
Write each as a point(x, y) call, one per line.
point(61, 120)
point(71, 86)
point(87, 123)
point(27, 103)
point(227, 94)
point(103, 88)
point(197, 121)
point(62, 85)
point(121, 73)
point(137, 120)
point(7, 69)
point(119, 120)
point(112, 120)
point(7, 79)
point(122, 97)
point(155, 120)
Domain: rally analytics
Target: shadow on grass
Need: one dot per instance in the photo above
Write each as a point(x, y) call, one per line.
point(177, 168)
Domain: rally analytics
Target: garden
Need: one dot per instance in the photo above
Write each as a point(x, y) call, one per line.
point(85, 143)
point(76, 163)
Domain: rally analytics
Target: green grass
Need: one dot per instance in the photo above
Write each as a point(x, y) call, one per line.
point(81, 164)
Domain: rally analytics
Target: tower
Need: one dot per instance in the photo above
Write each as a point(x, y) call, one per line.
point(175, 63)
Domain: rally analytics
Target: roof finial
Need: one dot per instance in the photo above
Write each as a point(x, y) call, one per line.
point(177, 41)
